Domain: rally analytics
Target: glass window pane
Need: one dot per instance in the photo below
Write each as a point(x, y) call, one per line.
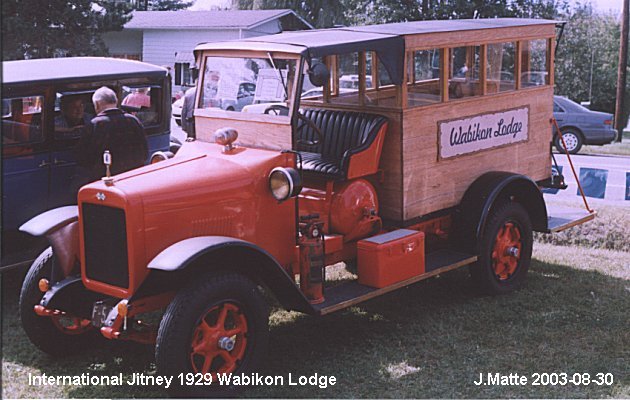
point(248, 84)
point(501, 67)
point(143, 102)
point(424, 86)
point(534, 65)
point(22, 120)
point(73, 113)
point(464, 78)
point(348, 74)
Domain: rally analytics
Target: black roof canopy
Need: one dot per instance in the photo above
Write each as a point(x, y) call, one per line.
point(387, 40)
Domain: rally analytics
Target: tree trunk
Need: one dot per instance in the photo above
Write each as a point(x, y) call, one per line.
point(621, 117)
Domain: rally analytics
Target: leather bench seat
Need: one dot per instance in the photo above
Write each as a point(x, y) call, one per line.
point(345, 134)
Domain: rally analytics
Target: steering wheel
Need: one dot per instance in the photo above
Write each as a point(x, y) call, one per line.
point(318, 132)
point(279, 109)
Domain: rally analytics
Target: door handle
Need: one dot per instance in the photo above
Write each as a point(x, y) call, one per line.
point(43, 164)
point(59, 162)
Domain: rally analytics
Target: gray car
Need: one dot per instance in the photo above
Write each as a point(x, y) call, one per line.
point(580, 126)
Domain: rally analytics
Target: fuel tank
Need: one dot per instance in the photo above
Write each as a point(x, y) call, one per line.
point(354, 210)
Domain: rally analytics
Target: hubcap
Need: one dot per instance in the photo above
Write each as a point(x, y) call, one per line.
point(219, 340)
point(570, 140)
point(506, 252)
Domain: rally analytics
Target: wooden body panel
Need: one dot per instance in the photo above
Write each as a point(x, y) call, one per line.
point(254, 130)
point(431, 184)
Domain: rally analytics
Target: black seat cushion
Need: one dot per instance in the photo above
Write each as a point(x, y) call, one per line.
point(344, 133)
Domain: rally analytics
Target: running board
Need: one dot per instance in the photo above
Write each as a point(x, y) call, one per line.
point(351, 293)
point(561, 218)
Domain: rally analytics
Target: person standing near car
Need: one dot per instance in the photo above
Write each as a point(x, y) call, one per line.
point(114, 130)
point(188, 119)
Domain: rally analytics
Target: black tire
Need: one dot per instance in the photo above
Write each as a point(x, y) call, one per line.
point(572, 137)
point(182, 322)
point(496, 273)
point(42, 331)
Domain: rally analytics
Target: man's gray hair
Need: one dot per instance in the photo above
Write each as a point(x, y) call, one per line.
point(105, 95)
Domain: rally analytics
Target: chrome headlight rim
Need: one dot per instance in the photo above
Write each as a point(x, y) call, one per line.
point(291, 178)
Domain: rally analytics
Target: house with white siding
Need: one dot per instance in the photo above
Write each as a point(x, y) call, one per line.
point(167, 38)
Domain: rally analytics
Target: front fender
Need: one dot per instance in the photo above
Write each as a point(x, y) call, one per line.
point(61, 228)
point(207, 253)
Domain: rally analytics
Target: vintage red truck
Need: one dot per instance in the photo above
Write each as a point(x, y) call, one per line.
point(433, 161)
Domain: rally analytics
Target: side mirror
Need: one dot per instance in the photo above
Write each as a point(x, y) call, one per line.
point(318, 73)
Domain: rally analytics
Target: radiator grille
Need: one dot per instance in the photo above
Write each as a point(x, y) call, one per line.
point(105, 234)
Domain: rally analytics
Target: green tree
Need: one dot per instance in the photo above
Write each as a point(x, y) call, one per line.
point(36, 29)
point(163, 5)
point(589, 47)
point(319, 13)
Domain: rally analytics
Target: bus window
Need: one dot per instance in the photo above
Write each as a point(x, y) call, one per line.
point(534, 63)
point(464, 80)
point(424, 78)
point(501, 67)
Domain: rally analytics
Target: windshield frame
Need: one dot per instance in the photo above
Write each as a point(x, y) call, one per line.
point(293, 84)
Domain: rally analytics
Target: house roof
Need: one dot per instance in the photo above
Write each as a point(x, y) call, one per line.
point(73, 69)
point(234, 19)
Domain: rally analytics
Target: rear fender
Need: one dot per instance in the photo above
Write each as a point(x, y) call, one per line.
point(490, 189)
point(61, 227)
point(187, 259)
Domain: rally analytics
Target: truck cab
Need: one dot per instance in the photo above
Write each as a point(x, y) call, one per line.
point(433, 161)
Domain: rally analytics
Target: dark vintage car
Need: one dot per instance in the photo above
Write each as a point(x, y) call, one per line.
point(40, 129)
point(580, 126)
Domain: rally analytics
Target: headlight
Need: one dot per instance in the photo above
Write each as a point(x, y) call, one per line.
point(284, 183)
point(161, 156)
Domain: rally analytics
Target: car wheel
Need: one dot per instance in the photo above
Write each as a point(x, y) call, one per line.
point(216, 325)
point(505, 250)
point(57, 335)
point(573, 140)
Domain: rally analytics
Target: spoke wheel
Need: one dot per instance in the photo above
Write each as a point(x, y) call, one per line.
point(219, 340)
point(217, 324)
point(505, 250)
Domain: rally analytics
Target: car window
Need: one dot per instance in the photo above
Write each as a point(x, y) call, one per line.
point(22, 120)
point(557, 108)
point(143, 102)
point(73, 112)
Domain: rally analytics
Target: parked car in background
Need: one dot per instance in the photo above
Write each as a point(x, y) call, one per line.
point(580, 126)
point(176, 110)
point(46, 106)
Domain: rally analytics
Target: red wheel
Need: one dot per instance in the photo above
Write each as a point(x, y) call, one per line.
point(505, 250)
point(219, 340)
point(218, 324)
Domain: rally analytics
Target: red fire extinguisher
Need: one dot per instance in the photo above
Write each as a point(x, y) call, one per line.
point(312, 259)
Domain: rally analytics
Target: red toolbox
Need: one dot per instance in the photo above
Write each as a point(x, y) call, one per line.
point(391, 257)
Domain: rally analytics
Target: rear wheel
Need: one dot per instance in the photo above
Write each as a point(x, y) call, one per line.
point(217, 325)
point(505, 250)
point(60, 334)
point(573, 140)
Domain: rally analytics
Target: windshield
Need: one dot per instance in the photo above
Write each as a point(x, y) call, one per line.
point(242, 84)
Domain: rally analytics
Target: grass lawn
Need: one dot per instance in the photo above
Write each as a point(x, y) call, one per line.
point(432, 339)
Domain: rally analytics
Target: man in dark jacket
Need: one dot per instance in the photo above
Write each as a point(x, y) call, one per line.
point(114, 130)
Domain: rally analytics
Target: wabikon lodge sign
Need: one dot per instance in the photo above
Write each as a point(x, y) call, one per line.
point(485, 131)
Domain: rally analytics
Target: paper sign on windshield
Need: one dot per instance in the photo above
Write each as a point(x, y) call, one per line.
point(482, 132)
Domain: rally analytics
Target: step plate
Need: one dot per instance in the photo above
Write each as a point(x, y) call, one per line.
point(350, 293)
point(561, 218)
